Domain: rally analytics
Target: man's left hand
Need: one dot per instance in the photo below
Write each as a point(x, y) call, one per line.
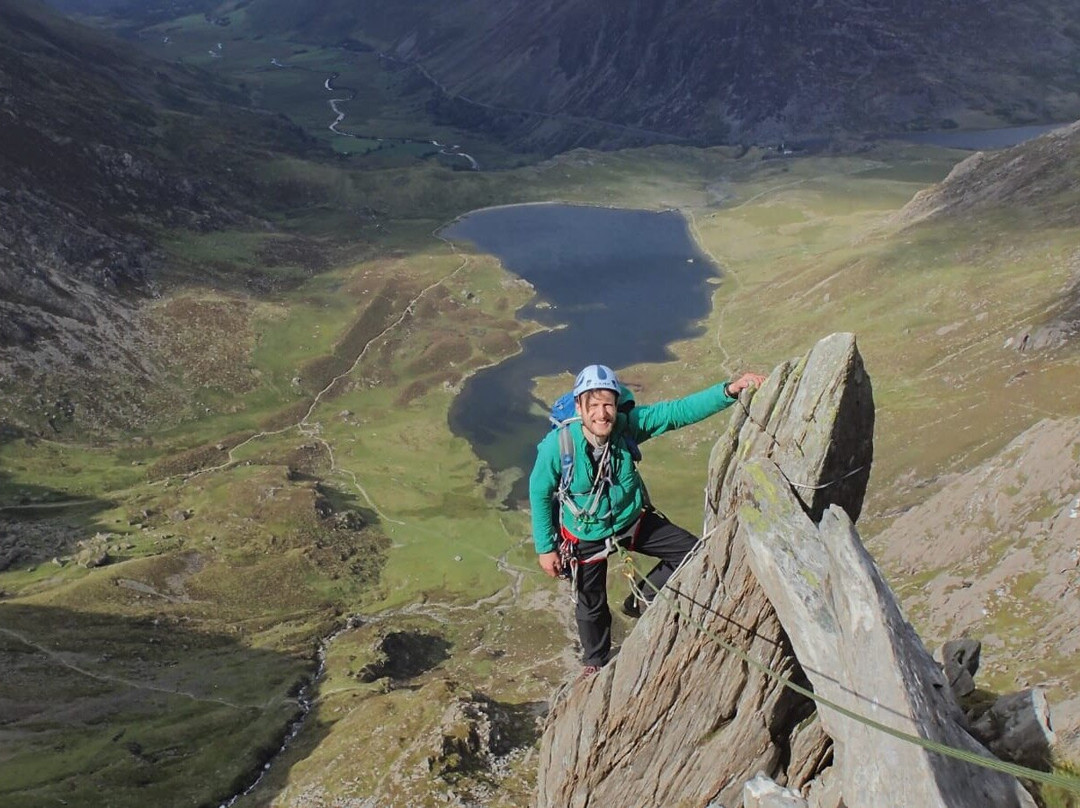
point(746, 380)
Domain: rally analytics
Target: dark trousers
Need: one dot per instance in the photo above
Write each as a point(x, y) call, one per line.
point(658, 538)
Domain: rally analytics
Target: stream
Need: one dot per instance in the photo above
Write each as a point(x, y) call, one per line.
point(328, 84)
point(305, 702)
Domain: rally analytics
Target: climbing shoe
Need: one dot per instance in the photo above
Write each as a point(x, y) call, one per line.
point(588, 671)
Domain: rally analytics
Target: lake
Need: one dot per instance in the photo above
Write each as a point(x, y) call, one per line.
point(616, 286)
point(984, 139)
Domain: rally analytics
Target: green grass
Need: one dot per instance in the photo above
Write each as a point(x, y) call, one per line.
point(43, 471)
point(1056, 797)
point(131, 706)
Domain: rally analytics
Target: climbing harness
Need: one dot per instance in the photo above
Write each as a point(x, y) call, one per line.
point(601, 480)
point(569, 555)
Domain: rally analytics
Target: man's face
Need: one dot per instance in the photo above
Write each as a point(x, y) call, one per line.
point(597, 411)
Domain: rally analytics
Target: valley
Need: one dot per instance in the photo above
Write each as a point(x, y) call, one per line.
point(170, 572)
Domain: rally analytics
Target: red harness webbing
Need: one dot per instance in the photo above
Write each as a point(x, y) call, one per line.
point(570, 542)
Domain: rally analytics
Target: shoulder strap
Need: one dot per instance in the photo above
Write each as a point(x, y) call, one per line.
point(566, 456)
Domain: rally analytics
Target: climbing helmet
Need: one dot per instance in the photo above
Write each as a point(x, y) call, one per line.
point(596, 377)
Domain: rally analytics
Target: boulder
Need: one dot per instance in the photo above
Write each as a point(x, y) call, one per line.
point(960, 660)
point(1017, 728)
point(93, 552)
point(469, 736)
point(761, 792)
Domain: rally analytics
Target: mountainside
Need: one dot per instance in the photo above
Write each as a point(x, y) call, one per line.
point(999, 551)
point(1036, 184)
point(733, 71)
point(101, 151)
point(1039, 179)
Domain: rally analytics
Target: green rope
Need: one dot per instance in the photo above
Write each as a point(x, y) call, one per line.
point(1048, 778)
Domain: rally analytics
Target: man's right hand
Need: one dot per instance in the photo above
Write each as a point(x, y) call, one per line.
point(549, 563)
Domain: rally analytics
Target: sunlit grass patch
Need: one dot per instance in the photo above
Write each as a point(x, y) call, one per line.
point(44, 471)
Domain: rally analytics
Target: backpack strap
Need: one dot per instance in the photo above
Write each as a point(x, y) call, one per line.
point(566, 459)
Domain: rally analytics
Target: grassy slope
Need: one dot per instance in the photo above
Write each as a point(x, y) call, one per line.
point(220, 592)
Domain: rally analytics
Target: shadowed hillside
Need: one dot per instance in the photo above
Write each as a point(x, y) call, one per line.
point(101, 152)
point(739, 71)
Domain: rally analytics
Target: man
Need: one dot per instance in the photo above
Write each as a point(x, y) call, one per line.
point(605, 499)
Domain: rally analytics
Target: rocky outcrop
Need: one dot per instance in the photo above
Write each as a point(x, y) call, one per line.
point(1017, 728)
point(960, 661)
point(676, 718)
point(471, 734)
point(686, 715)
point(860, 653)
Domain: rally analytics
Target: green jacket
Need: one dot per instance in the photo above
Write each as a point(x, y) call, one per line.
point(623, 500)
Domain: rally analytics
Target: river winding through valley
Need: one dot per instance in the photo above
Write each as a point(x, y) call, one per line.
point(453, 151)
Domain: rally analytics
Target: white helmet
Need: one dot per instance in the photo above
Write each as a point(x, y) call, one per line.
point(596, 377)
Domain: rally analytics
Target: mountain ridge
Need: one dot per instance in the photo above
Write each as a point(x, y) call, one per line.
point(734, 72)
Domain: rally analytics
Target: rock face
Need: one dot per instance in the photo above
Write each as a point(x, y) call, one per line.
point(858, 652)
point(676, 719)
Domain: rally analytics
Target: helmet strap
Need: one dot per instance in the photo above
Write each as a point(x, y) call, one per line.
point(595, 440)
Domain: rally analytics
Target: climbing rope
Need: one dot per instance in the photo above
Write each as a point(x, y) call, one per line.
point(1065, 782)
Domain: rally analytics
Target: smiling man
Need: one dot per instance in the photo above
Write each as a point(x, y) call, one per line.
point(586, 468)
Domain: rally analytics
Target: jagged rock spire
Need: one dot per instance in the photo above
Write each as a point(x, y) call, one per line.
point(677, 720)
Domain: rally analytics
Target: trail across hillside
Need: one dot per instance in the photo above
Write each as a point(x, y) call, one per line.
point(311, 429)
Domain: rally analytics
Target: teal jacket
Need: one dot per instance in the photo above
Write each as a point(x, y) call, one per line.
point(623, 500)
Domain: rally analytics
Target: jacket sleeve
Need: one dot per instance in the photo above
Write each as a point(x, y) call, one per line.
point(542, 484)
point(649, 420)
